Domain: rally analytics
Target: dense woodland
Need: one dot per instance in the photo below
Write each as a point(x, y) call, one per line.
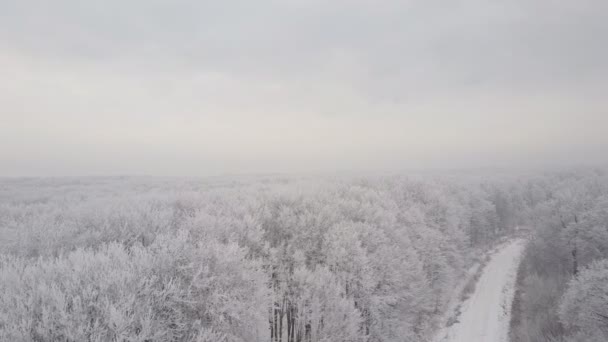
point(292, 259)
point(563, 278)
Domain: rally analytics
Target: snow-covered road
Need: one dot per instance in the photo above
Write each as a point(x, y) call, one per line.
point(485, 315)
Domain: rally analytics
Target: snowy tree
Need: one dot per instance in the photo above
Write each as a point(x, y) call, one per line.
point(584, 306)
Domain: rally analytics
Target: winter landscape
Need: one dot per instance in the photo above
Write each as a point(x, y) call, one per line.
point(304, 171)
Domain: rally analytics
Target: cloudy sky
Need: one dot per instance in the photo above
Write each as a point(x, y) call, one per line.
point(188, 87)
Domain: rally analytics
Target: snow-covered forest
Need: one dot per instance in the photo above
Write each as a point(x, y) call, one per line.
point(563, 278)
point(304, 171)
point(293, 259)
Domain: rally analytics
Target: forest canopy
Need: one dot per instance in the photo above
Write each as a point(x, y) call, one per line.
point(271, 258)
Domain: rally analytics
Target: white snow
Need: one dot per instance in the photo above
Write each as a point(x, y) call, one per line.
point(485, 315)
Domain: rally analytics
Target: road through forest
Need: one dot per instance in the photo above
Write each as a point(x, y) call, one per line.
point(484, 317)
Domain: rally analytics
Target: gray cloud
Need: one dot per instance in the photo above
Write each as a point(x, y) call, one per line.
point(293, 84)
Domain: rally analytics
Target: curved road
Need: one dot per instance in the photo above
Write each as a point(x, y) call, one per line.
point(485, 315)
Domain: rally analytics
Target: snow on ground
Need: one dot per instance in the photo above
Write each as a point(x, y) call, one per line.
point(485, 315)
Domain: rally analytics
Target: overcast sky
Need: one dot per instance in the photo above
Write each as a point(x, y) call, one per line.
point(192, 87)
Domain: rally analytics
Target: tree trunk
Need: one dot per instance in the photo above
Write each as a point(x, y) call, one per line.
point(574, 261)
point(575, 249)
